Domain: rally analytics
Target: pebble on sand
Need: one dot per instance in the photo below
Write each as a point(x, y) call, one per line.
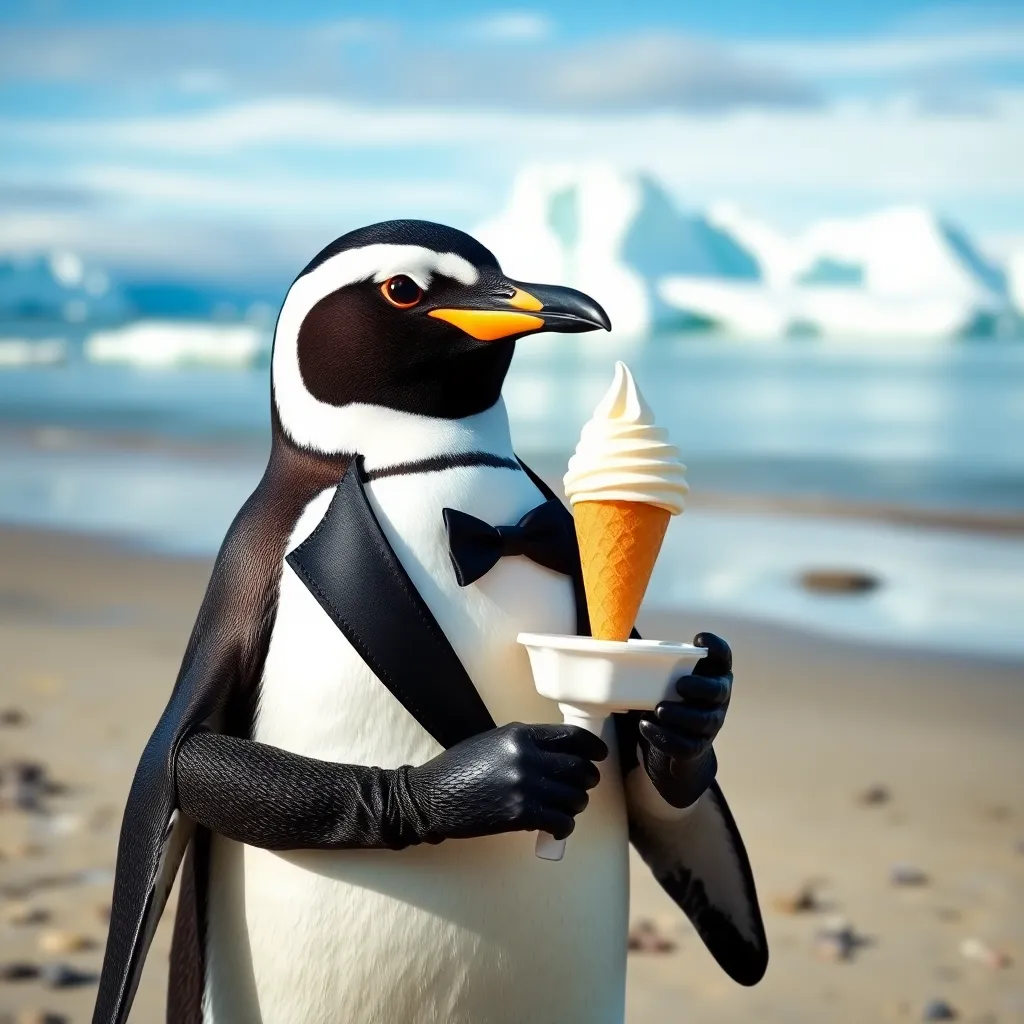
point(997, 812)
point(839, 581)
point(33, 1016)
point(23, 913)
point(980, 952)
point(12, 716)
point(803, 900)
point(646, 937)
point(874, 795)
point(837, 941)
point(908, 875)
point(21, 851)
point(938, 1009)
point(58, 941)
point(18, 971)
point(66, 824)
point(23, 784)
point(60, 975)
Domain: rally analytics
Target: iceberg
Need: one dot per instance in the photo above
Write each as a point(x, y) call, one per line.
point(1015, 279)
point(155, 344)
point(897, 273)
point(614, 235)
point(902, 272)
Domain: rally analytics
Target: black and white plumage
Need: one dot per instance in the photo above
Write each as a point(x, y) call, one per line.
point(278, 707)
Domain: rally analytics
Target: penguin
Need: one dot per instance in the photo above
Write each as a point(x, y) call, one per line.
point(354, 761)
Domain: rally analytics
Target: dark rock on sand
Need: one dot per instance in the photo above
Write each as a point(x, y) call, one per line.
point(60, 975)
point(938, 1009)
point(21, 785)
point(908, 875)
point(874, 795)
point(24, 784)
point(839, 581)
point(803, 900)
point(23, 913)
point(18, 971)
point(997, 812)
point(838, 941)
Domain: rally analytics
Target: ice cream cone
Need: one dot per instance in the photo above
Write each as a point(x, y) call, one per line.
point(619, 544)
point(624, 482)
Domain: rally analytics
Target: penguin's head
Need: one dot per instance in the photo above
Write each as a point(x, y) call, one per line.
point(409, 316)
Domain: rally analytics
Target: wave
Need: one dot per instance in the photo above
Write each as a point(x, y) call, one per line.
point(156, 344)
point(19, 352)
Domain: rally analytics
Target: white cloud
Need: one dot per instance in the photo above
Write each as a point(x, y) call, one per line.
point(175, 190)
point(883, 147)
point(378, 62)
point(273, 197)
point(350, 30)
point(888, 55)
point(512, 26)
point(301, 153)
point(161, 245)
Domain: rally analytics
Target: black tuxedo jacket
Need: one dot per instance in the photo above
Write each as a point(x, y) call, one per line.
point(349, 566)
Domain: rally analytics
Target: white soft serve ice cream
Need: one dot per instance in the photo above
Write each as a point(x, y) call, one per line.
point(623, 455)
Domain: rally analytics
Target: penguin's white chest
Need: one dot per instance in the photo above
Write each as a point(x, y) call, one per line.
point(473, 931)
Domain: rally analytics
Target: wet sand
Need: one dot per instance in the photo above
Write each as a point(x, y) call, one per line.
point(91, 637)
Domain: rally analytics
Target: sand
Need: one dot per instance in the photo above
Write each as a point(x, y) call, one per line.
point(91, 636)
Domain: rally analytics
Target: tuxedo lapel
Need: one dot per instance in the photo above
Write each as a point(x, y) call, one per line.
point(353, 572)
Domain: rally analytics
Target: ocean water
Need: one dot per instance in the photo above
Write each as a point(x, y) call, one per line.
point(938, 425)
point(933, 426)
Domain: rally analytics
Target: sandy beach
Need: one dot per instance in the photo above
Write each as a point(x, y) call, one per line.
point(845, 765)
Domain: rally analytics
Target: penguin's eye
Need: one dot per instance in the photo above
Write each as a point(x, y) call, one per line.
point(401, 291)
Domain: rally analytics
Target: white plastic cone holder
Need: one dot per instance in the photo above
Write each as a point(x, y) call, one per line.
point(594, 679)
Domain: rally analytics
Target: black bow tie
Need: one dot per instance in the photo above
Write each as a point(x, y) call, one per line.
point(544, 535)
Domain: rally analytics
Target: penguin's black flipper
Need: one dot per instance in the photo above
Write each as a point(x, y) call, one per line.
point(154, 834)
point(215, 687)
point(700, 861)
point(140, 894)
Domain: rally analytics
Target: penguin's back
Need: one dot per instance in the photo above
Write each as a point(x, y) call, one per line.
point(475, 931)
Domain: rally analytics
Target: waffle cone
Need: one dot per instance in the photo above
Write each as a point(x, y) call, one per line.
point(619, 544)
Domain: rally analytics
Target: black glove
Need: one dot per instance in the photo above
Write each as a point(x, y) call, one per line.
point(676, 737)
point(518, 778)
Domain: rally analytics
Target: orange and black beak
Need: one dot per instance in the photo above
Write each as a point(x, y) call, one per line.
point(526, 309)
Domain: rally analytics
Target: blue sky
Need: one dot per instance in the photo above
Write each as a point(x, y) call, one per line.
point(233, 139)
